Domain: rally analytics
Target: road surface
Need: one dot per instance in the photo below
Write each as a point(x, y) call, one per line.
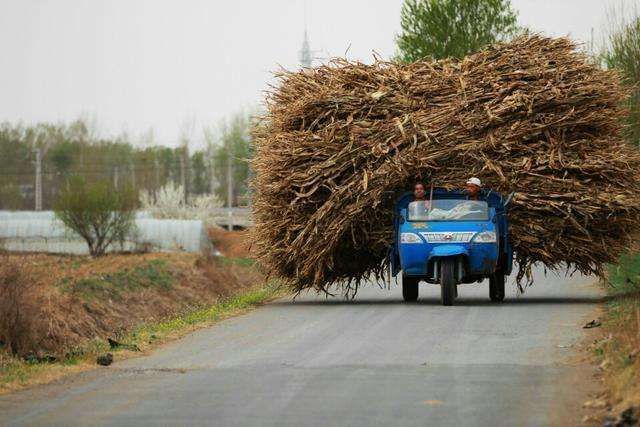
point(372, 362)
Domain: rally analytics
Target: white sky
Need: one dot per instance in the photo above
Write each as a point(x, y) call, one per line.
point(140, 64)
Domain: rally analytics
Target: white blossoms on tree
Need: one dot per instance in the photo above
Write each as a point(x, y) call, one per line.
point(169, 204)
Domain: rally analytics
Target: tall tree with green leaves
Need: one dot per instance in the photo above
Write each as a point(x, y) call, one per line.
point(231, 145)
point(438, 29)
point(623, 54)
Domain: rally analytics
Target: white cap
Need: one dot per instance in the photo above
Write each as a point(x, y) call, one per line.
point(474, 181)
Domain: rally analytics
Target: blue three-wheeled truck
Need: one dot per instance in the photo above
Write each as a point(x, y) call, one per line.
point(449, 240)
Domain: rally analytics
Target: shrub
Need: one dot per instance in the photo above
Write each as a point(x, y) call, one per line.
point(623, 54)
point(624, 276)
point(97, 212)
point(16, 312)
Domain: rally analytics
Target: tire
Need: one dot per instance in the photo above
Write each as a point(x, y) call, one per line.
point(496, 287)
point(410, 288)
point(448, 281)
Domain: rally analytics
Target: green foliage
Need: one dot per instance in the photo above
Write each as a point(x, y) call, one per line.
point(62, 155)
point(232, 144)
point(75, 149)
point(199, 174)
point(625, 276)
point(440, 29)
point(10, 196)
point(623, 54)
point(97, 212)
point(151, 274)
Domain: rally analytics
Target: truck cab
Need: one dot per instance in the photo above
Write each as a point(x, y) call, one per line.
point(450, 240)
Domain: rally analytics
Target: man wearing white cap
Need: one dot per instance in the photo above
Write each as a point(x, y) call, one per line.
point(473, 188)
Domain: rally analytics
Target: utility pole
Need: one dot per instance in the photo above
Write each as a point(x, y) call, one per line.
point(183, 174)
point(229, 191)
point(115, 177)
point(213, 182)
point(38, 195)
point(157, 183)
point(132, 167)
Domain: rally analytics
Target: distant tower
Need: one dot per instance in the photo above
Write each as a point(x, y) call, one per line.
point(305, 52)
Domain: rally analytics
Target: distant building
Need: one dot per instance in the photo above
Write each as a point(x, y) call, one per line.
point(306, 59)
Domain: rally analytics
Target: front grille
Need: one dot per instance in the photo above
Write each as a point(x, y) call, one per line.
point(448, 237)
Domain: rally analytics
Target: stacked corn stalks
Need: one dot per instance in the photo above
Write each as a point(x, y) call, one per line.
point(533, 116)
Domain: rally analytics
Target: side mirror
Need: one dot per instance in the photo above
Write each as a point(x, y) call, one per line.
point(509, 199)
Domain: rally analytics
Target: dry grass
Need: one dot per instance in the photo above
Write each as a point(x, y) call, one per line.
point(16, 374)
point(17, 306)
point(532, 116)
point(73, 299)
point(618, 354)
point(233, 244)
point(618, 349)
point(63, 308)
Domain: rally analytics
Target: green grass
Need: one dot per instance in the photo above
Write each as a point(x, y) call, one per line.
point(16, 371)
point(154, 273)
point(13, 369)
point(241, 261)
point(148, 333)
point(624, 277)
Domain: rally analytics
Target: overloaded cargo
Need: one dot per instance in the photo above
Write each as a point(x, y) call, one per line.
point(534, 116)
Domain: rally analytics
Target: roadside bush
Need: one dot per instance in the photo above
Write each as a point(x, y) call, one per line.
point(624, 277)
point(16, 310)
point(99, 213)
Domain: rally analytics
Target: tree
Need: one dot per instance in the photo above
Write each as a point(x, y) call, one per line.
point(440, 29)
point(62, 155)
point(623, 54)
point(97, 212)
point(199, 174)
point(233, 146)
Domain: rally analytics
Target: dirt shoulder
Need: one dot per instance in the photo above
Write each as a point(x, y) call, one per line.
point(59, 313)
point(616, 348)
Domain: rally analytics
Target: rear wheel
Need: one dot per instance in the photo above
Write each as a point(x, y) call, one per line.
point(496, 287)
point(447, 281)
point(410, 288)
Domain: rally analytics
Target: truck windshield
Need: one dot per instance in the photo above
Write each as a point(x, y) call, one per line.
point(448, 210)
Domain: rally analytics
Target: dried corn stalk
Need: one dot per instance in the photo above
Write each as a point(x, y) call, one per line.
point(532, 116)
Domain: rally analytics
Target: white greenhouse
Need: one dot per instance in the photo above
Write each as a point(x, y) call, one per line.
point(41, 232)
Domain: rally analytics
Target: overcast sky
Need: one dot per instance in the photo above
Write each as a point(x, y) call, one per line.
point(141, 64)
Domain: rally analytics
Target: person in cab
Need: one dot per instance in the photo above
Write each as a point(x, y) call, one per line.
point(473, 188)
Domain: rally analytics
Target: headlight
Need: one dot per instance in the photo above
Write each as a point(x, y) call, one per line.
point(410, 238)
point(485, 237)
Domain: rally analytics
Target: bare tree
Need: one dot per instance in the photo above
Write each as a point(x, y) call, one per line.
point(187, 130)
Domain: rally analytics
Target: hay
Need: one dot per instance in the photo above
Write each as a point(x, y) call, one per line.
point(533, 116)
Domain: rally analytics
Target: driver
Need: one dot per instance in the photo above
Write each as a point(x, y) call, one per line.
point(472, 188)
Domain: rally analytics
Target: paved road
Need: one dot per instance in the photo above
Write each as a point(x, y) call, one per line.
point(375, 361)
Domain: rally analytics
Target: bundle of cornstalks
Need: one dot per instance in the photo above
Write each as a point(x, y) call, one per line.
point(533, 116)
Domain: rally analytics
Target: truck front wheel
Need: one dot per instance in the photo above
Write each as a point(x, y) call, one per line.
point(410, 288)
point(496, 287)
point(448, 281)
